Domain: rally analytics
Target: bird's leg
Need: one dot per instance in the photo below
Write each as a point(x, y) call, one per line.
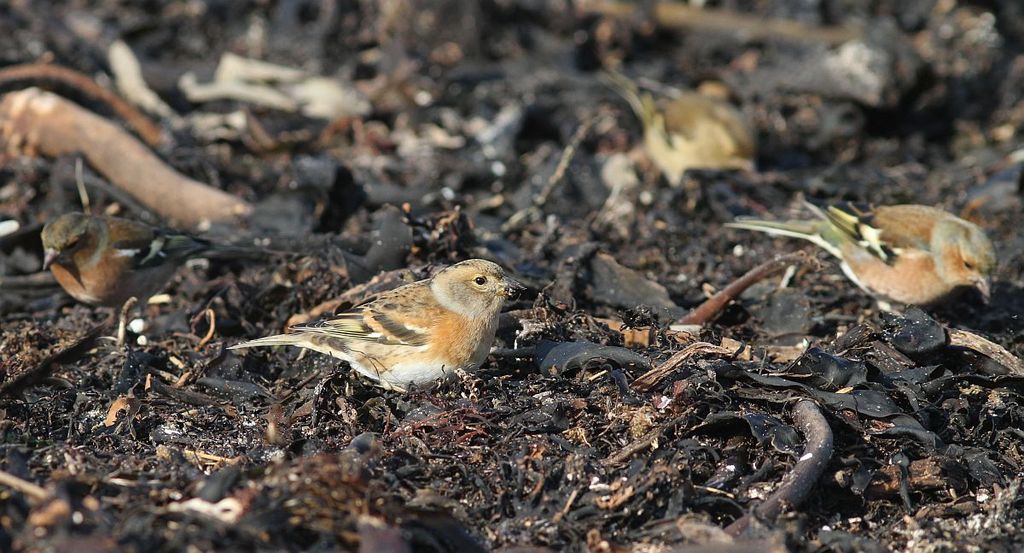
point(122, 322)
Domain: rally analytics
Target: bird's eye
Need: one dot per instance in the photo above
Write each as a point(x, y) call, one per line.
point(480, 280)
point(968, 265)
point(71, 243)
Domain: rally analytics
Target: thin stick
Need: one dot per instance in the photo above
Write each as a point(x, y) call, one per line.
point(640, 444)
point(83, 194)
point(212, 318)
point(652, 377)
point(532, 213)
point(24, 486)
point(122, 321)
point(706, 311)
point(563, 162)
point(43, 369)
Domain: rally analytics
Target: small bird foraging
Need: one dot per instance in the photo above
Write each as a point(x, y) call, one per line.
point(910, 254)
point(105, 261)
point(416, 333)
point(693, 131)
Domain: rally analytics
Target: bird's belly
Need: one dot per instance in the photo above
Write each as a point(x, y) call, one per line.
point(912, 280)
point(83, 289)
point(399, 367)
point(402, 373)
point(455, 346)
point(95, 288)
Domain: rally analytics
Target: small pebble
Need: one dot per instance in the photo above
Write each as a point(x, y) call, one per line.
point(160, 299)
point(137, 326)
point(8, 227)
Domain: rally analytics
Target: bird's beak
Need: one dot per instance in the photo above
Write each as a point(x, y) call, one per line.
point(512, 289)
point(49, 256)
point(985, 287)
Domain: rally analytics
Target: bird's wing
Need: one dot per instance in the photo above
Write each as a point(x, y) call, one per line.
point(642, 104)
point(400, 317)
point(150, 247)
point(731, 120)
point(887, 230)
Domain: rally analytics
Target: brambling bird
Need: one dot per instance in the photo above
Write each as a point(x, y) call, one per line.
point(106, 260)
point(912, 254)
point(693, 131)
point(416, 333)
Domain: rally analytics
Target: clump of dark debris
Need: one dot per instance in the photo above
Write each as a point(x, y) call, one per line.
point(381, 141)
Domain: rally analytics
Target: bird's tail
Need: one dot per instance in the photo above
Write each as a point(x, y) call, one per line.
point(226, 251)
point(642, 104)
point(180, 246)
point(276, 340)
point(813, 231)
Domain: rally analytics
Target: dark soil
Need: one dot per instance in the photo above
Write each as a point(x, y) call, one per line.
point(172, 442)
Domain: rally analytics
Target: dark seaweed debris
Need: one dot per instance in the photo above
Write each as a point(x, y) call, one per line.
point(798, 418)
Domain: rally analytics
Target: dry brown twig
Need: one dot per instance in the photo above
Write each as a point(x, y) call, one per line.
point(651, 378)
point(33, 121)
point(532, 213)
point(45, 367)
point(706, 311)
point(33, 491)
point(41, 72)
point(211, 318)
point(643, 442)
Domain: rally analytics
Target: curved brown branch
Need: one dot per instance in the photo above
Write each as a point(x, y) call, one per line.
point(33, 121)
point(37, 72)
point(796, 485)
point(706, 311)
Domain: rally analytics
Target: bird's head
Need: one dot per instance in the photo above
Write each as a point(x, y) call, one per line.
point(967, 255)
point(63, 236)
point(474, 288)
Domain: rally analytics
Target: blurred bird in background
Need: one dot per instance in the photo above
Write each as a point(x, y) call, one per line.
point(690, 131)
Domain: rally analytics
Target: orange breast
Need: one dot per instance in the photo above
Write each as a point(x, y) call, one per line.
point(111, 281)
point(455, 340)
point(910, 279)
point(82, 287)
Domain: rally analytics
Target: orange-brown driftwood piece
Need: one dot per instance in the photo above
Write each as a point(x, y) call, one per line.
point(33, 122)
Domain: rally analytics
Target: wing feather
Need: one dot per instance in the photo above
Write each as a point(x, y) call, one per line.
point(858, 223)
point(400, 317)
point(153, 247)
